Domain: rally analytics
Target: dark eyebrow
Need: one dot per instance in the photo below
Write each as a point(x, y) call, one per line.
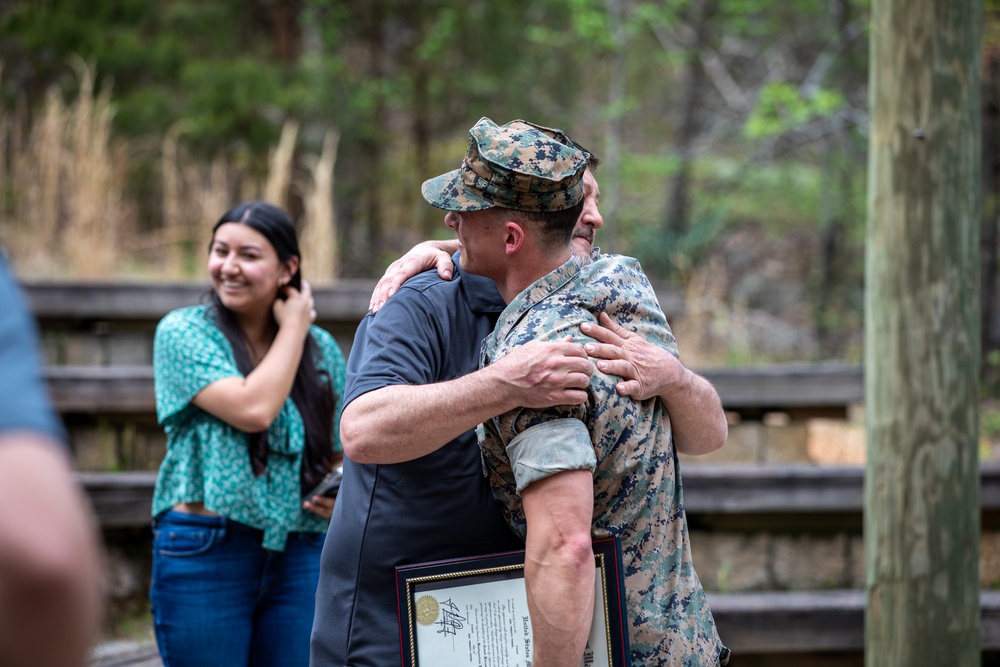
point(244, 247)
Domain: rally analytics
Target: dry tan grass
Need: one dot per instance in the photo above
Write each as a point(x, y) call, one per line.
point(709, 327)
point(66, 211)
point(67, 214)
point(319, 236)
point(279, 175)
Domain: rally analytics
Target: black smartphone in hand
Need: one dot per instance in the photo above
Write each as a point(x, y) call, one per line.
point(329, 486)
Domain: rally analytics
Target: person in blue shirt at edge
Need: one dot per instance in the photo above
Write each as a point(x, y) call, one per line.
point(249, 393)
point(414, 489)
point(50, 553)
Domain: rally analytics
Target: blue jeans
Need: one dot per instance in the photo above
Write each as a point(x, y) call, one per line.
point(220, 599)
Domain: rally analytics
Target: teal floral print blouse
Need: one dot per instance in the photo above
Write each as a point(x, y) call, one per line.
point(207, 460)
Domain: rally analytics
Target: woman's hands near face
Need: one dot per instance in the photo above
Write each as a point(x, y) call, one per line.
point(298, 307)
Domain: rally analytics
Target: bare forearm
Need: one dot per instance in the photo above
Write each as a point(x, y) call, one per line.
point(697, 419)
point(404, 422)
point(559, 566)
point(271, 381)
point(251, 403)
point(561, 604)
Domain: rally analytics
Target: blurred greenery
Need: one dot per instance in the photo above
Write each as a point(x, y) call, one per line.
point(730, 129)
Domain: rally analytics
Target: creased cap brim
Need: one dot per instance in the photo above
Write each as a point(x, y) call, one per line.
point(448, 192)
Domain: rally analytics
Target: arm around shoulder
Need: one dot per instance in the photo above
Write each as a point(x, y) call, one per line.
point(697, 419)
point(403, 422)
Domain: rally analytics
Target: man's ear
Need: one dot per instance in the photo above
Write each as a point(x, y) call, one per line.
point(513, 237)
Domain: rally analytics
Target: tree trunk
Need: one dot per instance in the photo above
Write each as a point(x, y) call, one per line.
point(922, 335)
point(283, 21)
point(611, 175)
point(676, 220)
point(990, 243)
point(837, 208)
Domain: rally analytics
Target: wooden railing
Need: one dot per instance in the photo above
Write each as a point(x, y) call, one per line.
point(817, 627)
point(825, 389)
point(98, 342)
point(798, 498)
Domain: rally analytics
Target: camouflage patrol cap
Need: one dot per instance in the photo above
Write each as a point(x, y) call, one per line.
point(519, 165)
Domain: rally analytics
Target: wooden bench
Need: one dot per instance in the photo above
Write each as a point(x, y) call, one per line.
point(810, 623)
point(110, 324)
point(805, 628)
point(795, 497)
point(800, 390)
point(774, 628)
point(58, 302)
point(345, 301)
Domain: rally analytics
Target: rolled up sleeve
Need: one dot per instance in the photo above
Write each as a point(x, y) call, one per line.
point(549, 448)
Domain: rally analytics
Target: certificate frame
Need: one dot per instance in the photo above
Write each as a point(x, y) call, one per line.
point(412, 580)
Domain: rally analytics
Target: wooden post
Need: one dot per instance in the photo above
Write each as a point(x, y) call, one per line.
point(922, 334)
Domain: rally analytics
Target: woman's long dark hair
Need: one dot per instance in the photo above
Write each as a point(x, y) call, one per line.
point(313, 391)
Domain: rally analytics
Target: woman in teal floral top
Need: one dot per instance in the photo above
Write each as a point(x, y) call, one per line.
point(249, 394)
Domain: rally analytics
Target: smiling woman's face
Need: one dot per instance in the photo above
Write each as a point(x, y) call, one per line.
point(244, 268)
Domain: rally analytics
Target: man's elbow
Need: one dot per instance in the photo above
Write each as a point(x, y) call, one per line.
point(700, 446)
point(356, 436)
point(353, 443)
point(577, 551)
point(716, 440)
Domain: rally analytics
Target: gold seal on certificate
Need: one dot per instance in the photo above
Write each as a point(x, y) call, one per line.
point(427, 610)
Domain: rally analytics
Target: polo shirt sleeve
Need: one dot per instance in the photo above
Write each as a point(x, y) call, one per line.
point(405, 343)
point(189, 353)
point(24, 401)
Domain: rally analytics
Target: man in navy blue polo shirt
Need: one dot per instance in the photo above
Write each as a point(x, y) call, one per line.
point(413, 385)
point(49, 573)
point(423, 345)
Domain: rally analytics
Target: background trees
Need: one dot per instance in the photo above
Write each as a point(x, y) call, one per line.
point(733, 134)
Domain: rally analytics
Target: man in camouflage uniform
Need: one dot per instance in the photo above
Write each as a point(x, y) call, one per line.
point(568, 474)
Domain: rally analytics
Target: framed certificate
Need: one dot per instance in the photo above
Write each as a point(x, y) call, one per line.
point(474, 611)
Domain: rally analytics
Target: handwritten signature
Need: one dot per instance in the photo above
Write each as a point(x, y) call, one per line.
point(450, 621)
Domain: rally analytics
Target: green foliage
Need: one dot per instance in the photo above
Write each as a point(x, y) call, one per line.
point(989, 418)
point(781, 107)
point(589, 21)
point(665, 253)
point(402, 82)
point(211, 64)
point(991, 376)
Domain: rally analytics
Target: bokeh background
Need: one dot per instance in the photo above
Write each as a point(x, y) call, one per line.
point(733, 135)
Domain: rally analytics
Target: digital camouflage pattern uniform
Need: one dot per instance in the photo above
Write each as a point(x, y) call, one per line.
point(517, 165)
point(637, 491)
point(626, 443)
